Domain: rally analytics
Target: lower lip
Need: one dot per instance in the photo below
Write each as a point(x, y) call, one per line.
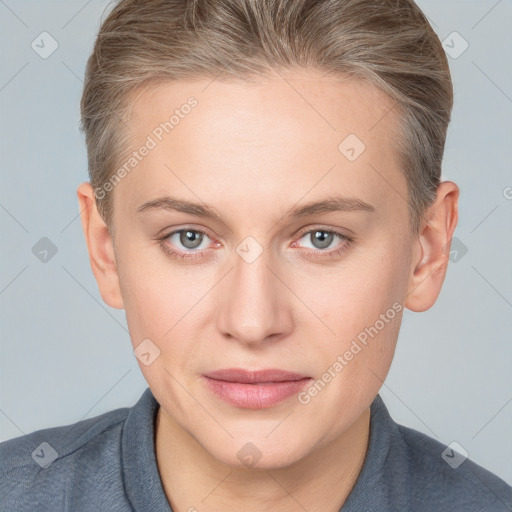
point(255, 396)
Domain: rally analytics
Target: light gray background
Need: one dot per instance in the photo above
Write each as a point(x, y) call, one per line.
point(66, 356)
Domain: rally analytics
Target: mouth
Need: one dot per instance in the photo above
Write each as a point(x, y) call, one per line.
point(255, 389)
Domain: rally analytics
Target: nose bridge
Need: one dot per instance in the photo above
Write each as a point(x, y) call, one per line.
point(253, 306)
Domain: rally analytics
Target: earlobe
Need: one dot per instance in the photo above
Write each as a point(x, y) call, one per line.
point(431, 258)
point(100, 247)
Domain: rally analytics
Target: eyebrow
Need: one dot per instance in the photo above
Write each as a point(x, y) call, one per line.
point(334, 204)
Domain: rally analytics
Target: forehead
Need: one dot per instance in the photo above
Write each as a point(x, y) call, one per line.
point(296, 105)
point(300, 133)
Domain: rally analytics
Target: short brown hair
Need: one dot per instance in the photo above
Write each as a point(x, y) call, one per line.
point(388, 43)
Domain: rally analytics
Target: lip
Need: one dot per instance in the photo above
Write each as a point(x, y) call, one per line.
point(255, 389)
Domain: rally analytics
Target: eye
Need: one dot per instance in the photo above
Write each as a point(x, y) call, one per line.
point(322, 239)
point(188, 238)
point(190, 243)
point(194, 243)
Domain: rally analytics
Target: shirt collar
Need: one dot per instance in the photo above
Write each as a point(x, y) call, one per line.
point(368, 492)
point(143, 485)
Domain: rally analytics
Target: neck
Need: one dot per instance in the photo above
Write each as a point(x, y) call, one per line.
point(321, 481)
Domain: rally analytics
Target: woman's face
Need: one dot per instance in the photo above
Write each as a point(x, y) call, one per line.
point(266, 280)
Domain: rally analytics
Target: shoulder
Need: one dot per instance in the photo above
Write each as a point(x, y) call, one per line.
point(406, 469)
point(444, 476)
point(42, 448)
point(44, 463)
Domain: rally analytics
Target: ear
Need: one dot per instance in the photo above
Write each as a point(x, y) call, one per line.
point(100, 247)
point(432, 251)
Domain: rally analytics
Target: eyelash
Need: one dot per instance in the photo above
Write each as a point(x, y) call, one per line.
point(198, 254)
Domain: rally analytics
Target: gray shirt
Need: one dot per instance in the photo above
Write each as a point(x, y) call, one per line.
point(108, 463)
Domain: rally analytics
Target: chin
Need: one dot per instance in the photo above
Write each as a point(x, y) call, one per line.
point(247, 454)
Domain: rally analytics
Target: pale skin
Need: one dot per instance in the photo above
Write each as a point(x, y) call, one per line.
point(254, 152)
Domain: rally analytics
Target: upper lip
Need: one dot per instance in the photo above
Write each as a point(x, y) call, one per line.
point(254, 376)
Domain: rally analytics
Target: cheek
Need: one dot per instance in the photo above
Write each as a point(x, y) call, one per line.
point(151, 297)
point(353, 298)
point(352, 363)
point(361, 302)
point(166, 303)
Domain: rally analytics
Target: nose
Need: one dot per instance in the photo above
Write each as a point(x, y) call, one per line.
point(255, 304)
